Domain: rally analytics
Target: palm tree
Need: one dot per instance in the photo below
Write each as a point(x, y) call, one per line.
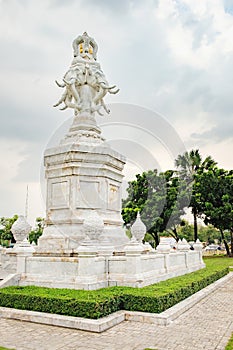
point(188, 165)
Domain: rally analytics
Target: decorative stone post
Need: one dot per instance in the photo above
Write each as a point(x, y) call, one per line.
point(133, 252)
point(198, 248)
point(183, 245)
point(92, 268)
point(92, 229)
point(22, 248)
point(198, 245)
point(138, 229)
point(133, 263)
point(164, 248)
point(135, 246)
point(20, 230)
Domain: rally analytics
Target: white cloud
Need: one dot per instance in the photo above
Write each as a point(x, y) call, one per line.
point(197, 32)
point(221, 152)
point(13, 192)
point(11, 154)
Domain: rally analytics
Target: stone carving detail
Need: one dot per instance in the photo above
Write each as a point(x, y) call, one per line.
point(93, 226)
point(183, 245)
point(133, 248)
point(197, 245)
point(138, 229)
point(164, 246)
point(20, 229)
point(84, 83)
point(84, 137)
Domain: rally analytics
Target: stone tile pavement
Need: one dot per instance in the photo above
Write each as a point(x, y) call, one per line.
point(206, 326)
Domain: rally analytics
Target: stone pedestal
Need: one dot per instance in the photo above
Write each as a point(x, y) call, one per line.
point(23, 251)
point(83, 175)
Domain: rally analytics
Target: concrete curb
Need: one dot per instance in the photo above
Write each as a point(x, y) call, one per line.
point(80, 323)
point(10, 280)
point(166, 317)
point(112, 320)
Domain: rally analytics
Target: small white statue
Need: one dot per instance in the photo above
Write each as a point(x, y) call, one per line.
point(85, 83)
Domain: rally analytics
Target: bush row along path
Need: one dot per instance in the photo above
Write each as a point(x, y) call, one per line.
point(206, 326)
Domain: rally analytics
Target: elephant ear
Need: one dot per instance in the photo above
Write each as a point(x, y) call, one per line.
point(95, 48)
point(76, 43)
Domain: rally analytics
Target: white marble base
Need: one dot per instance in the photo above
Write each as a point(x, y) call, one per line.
point(65, 272)
point(92, 270)
point(95, 265)
point(8, 263)
point(82, 178)
point(68, 237)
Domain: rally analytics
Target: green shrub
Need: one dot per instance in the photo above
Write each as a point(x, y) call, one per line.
point(160, 297)
point(95, 304)
point(60, 301)
point(229, 345)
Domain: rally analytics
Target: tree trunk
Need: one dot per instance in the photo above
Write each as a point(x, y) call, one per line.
point(225, 243)
point(195, 224)
point(175, 234)
point(156, 238)
point(155, 235)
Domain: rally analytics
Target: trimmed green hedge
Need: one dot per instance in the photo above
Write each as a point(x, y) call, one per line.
point(77, 303)
point(95, 304)
point(229, 345)
point(156, 300)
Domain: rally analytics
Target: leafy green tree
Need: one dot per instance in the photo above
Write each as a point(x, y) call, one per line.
point(215, 197)
point(160, 198)
point(209, 234)
point(38, 230)
point(138, 191)
point(5, 231)
point(189, 165)
point(186, 231)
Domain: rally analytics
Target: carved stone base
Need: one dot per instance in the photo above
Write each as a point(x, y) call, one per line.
point(82, 178)
point(83, 130)
point(93, 270)
point(67, 238)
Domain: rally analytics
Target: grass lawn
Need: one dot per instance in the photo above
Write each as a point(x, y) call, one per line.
point(230, 344)
point(1, 348)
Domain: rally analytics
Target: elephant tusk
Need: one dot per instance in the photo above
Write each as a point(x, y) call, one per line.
point(62, 109)
point(114, 92)
point(60, 85)
point(57, 104)
point(100, 113)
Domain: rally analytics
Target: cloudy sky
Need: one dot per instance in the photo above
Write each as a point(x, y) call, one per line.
point(173, 57)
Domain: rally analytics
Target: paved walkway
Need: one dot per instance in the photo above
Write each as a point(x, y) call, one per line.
point(206, 326)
